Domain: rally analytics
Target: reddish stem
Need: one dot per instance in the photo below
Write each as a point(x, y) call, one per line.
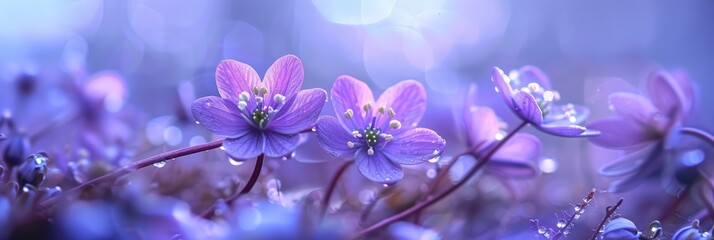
point(211, 211)
point(332, 186)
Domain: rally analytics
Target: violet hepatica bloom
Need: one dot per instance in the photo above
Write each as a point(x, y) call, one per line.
point(483, 130)
point(527, 92)
point(260, 117)
point(645, 128)
point(380, 135)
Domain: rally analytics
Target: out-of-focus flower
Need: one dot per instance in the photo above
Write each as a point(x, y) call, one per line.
point(528, 94)
point(260, 117)
point(33, 170)
point(620, 229)
point(693, 232)
point(483, 130)
point(646, 128)
point(380, 135)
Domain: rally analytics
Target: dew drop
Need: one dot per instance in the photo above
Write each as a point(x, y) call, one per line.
point(160, 164)
point(235, 162)
point(436, 151)
point(541, 230)
point(385, 185)
point(577, 208)
point(431, 173)
point(434, 160)
point(284, 158)
point(566, 231)
point(223, 148)
point(577, 216)
point(561, 223)
point(314, 129)
point(197, 122)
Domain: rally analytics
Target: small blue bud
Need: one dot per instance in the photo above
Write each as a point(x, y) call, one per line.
point(17, 149)
point(33, 171)
point(620, 229)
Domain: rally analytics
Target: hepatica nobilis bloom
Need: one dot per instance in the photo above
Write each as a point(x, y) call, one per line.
point(380, 135)
point(645, 128)
point(527, 92)
point(260, 117)
point(483, 131)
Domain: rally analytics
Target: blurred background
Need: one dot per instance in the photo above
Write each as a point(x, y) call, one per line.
point(167, 51)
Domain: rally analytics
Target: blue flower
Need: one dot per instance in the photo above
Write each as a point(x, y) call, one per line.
point(380, 135)
point(535, 102)
point(260, 117)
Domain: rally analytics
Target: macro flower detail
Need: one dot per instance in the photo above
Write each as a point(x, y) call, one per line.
point(693, 232)
point(483, 131)
point(645, 128)
point(535, 102)
point(620, 229)
point(380, 135)
point(260, 117)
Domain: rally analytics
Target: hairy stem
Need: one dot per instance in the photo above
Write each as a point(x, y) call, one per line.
point(424, 204)
point(210, 212)
point(331, 187)
point(608, 213)
point(136, 166)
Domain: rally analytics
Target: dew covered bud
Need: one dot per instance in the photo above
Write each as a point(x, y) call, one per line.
point(33, 170)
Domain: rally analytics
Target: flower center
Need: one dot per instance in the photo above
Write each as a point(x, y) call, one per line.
point(545, 99)
point(261, 113)
point(372, 134)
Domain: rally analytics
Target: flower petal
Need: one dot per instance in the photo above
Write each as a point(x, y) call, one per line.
point(284, 77)
point(527, 108)
point(234, 77)
point(407, 99)
point(665, 94)
point(633, 106)
point(333, 138)
point(516, 157)
point(279, 145)
point(684, 83)
point(220, 116)
point(349, 93)
point(503, 87)
point(377, 167)
point(245, 147)
point(482, 125)
point(652, 164)
point(618, 133)
point(532, 74)
point(627, 164)
point(568, 130)
point(414, 146)
point(300, 112)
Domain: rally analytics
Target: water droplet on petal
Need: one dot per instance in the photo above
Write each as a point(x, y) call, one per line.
point(431, 173)
point(385, 185)
point(434, 160)
point(561, 223)
point(160, 164)
point(235, 162)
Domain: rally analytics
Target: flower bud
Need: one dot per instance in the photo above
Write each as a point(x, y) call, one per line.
point(18, 147)
point(620, 229)
point(33, 170)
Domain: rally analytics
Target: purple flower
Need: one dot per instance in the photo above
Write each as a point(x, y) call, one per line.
point(527, 92)
point(483, 131)
point(693, 232)
point(260, 117)
point(645, 128)
point(380, 135)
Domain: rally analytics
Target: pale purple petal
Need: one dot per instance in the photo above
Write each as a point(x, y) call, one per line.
point(333, 138)
point(245, 147)
point(516, 157)
point(620, 134)
point(220, 116)
point(653, 163)
point(527, 108)
point(414, 146)
point(503, 87)
point(629, 163)
point(633, 106)
point(349, 93)
point(377, 167)
point(284, 77)
point(665, 94)
point(482, 125)
point(568, 130)
point(279, 145)
point(408, 99)
point(689, 94)
point(533, 74)
point(300, 112)
point(234, 77)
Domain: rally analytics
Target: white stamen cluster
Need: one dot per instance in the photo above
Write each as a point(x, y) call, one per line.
point(261, 114)
point(371, 134)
